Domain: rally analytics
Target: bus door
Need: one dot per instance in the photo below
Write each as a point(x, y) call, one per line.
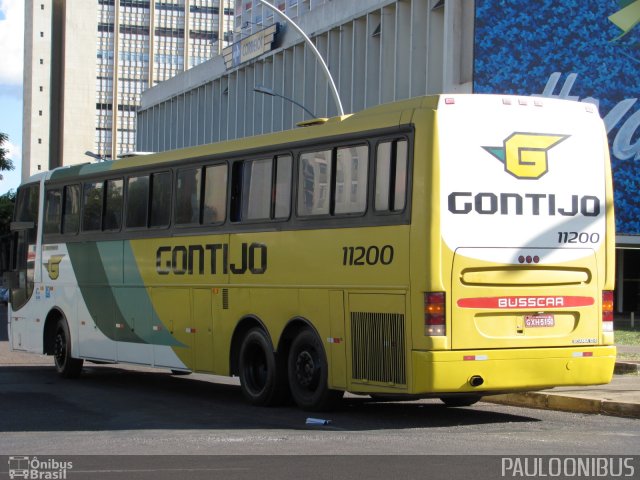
point(22, 261)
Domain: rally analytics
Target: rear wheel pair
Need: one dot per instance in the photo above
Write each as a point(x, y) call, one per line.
point(268, 379)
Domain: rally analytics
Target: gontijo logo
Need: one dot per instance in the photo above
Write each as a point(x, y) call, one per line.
point(525, 154)
point(53, 266)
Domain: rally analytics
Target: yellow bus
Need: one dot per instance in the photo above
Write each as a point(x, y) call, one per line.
point(448, 246)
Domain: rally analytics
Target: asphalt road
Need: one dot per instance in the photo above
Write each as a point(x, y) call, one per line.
point(118, 410)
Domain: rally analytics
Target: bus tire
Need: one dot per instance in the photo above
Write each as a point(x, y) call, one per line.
point(308, 374)
point(262, 378)
point(66, 365)
point(460, 401)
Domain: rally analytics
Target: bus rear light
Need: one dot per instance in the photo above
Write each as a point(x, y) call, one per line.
point(449, 101)
point(607, 311)
point(434, 314)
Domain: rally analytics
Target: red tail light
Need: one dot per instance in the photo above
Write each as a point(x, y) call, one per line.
point(434, 314)
point(607, 311)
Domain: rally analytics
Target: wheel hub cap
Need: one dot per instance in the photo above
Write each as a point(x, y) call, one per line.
point(305, 368)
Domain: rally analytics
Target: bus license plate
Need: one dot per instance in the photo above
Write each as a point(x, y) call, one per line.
point(531, 321)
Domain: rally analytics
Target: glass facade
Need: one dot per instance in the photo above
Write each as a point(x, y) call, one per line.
point(141, 43)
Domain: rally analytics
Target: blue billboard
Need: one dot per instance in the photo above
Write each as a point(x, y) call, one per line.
point(586, 50)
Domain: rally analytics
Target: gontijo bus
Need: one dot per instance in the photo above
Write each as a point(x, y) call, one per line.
point(448, 246)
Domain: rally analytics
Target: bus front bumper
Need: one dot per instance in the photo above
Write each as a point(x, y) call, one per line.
point(498, 371)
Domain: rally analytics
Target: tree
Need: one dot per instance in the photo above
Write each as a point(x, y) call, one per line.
point(5, 163)
point(7, 202)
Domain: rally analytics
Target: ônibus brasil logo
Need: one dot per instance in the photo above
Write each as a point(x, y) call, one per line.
point(524, 155)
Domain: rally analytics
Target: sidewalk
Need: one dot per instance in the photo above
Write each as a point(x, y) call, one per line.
point(620, 398)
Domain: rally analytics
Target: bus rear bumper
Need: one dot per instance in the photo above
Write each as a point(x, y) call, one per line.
point(511, 369)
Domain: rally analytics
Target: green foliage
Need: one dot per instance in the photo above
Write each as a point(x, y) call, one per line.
point(627, 335)
point(5, 163)
point(7, 202)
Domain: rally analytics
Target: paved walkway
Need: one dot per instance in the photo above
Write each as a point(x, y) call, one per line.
point(621, 397)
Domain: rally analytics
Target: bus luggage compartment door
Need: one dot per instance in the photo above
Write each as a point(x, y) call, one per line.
point(499, 302)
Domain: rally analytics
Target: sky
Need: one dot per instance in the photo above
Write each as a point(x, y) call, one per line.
point(11, 45)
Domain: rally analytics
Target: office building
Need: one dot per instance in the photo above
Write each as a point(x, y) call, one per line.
point(88, 61)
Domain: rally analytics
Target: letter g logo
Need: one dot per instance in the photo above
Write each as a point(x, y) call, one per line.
point(525, 154)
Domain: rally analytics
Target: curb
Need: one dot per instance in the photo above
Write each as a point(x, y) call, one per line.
point(550, 401)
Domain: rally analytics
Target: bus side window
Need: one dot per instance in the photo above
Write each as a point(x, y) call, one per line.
point(391, 176)
point(188, 196)
point(92, 207)
point(160, 214)
point(314, 177)
point(113, 205)
point(137, 201)
point(53, 211)
point(351, 179)
point(71, 212)
point(26, 209)
point(257, 182)
point(282, 207)
point(215, 194)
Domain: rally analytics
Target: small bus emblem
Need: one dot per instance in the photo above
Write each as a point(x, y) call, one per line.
point(525, 154)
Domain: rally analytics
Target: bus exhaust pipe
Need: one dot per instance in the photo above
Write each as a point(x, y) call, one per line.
point(476, 381)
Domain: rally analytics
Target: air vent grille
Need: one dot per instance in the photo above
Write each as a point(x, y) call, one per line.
point(378, 347)
point(225, 299)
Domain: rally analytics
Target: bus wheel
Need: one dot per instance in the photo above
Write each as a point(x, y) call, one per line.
point(462, 401)
point(66, 365)
point(308, 373)
point(262, 379)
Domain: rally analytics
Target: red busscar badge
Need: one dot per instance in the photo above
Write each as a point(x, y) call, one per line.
point(525, 302)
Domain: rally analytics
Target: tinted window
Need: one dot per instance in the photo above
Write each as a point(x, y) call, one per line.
point(113, 205)
point(313, 184)
point(215, 194)
point(92, 206)
point(283, 186)
point(352, 165)
point(53, 211)
point(188, 196)
point(391, 176)
point(137, 201)
point(160, 199)
point(257, 178)
point(27, 204)
point(71, 212)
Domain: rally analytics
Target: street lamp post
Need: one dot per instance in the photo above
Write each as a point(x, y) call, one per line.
point(332, 85)
point(268, 91)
